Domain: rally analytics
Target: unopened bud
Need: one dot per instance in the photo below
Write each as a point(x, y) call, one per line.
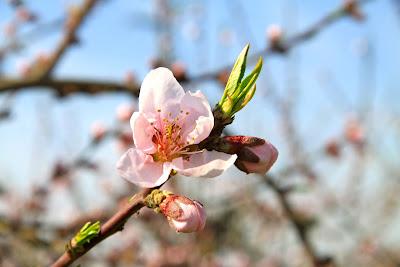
point(184, 215)
point(255, 155)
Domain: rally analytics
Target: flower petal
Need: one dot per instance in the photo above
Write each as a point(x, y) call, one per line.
point(198, 120)
point(142, 133)
point(142, 170)
point(204, 164)
point(160, 91)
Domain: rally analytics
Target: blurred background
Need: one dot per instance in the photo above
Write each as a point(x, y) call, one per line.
point(70, 72)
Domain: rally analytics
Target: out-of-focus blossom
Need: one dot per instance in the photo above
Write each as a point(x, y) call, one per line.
point(25, 15)
point(354, 132)
point(179, 70)
point(129, 78)
point(227, 37)
point(184, 215)
point(124, 112)
point(166, 130)
point(98, 130)
point(353, 9)
point(191, 31)
point(255, 155)
point(24, 68)
point(332, 148)
point(274, 35)
point(10, 29)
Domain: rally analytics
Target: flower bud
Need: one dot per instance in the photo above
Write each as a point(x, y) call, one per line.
point(255, 155)
point(184, 215)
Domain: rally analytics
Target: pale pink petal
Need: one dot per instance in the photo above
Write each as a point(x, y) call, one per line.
point(140, 169)
point(204, 164)
point(197, 116)
point(160, 91)
point(143, 133)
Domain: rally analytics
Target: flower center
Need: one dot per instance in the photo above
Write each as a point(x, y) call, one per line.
point(168, 137)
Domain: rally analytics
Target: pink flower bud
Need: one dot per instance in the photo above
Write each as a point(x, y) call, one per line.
point(184, 215)
point(98, 130)
point(267, 155)
point(255, 155)
point(124, 112)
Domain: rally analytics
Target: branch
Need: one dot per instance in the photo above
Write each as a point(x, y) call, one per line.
point(85, 86)
point(69, 37)
point(300, 225)
point(64, 87)
point(111, 226)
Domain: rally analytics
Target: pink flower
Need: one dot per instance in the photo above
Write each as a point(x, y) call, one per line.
point(184, 215)
point(166, 129)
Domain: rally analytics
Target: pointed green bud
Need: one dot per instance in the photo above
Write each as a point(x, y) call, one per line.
point(239, 92)
point(87, 232)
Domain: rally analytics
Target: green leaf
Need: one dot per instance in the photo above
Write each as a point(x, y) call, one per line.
point(237, 73)
point(247, 88)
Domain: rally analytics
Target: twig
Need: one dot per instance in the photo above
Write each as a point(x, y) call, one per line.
point(300, 225)
point(64, 87)
point(110, 227)
point(69, 37)
point(13, 84)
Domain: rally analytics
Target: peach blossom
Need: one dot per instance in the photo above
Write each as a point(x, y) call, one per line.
point(166, 129)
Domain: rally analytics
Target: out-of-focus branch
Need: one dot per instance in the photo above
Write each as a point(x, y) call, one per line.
point(287, 44)
point(110, 227)
point(64, 87)
point(69, 38)
point(300, 225)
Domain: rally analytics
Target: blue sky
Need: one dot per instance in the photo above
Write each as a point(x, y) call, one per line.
point(116, 39)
